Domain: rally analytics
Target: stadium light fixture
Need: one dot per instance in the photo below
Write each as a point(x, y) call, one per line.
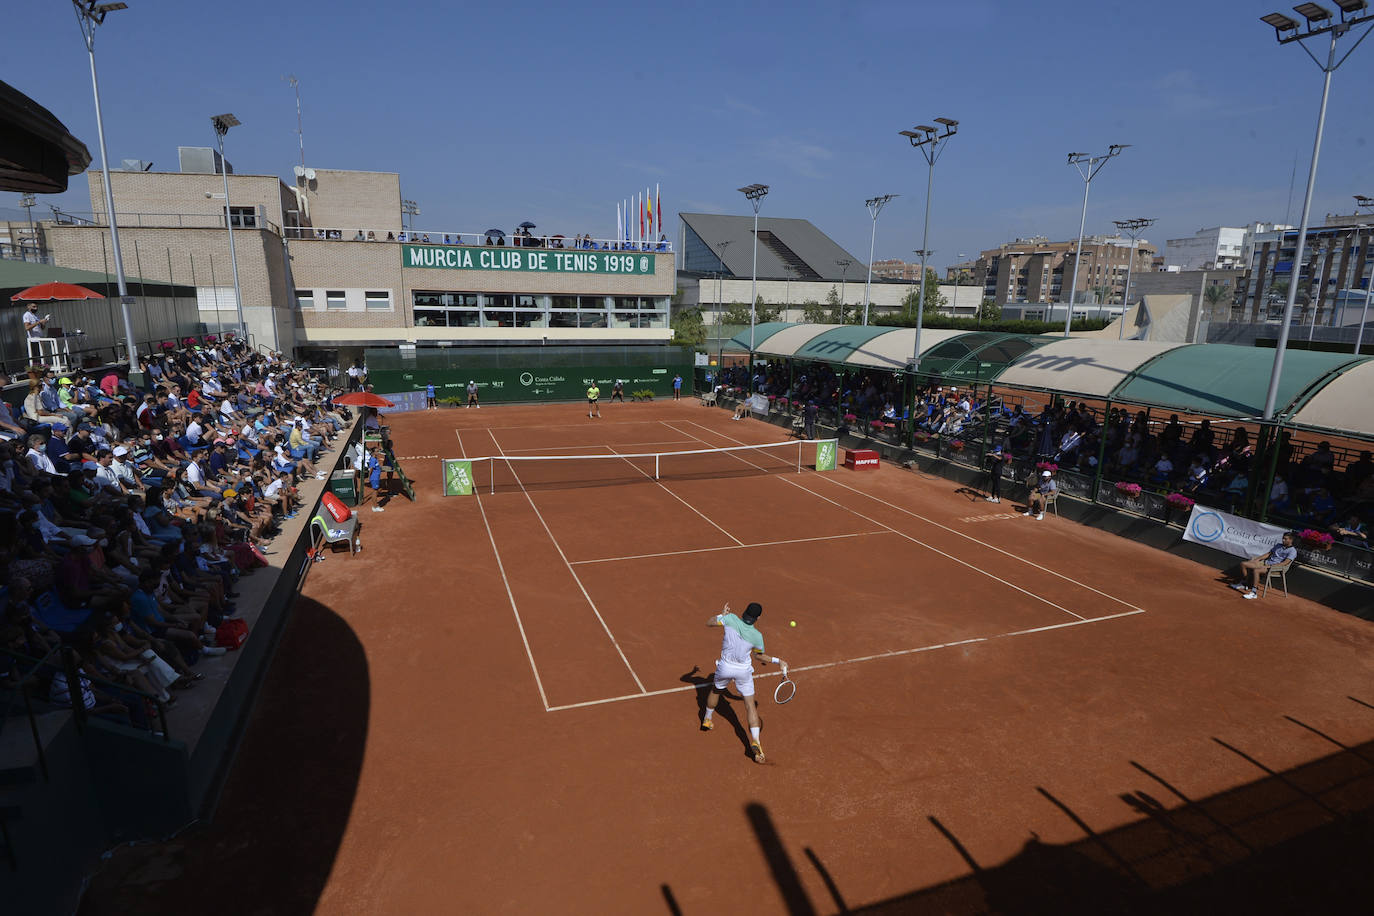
point(1320, 21)
point(1088, 165)
point(1133, 228)
point(221, 124)
point(875, 206)
point(931, 143)
point(755, 193)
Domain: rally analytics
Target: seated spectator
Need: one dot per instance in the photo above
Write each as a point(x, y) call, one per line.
point(1352, 531)
point(1249, 574)
point(1039, 496)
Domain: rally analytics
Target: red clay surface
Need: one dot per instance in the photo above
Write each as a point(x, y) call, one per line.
point(969, 681)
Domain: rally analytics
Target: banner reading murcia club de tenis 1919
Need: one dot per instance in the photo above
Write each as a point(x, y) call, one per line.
point(539, 260)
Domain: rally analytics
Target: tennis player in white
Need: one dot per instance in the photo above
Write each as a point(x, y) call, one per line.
point(741, 642)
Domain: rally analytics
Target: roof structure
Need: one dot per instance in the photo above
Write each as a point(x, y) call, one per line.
point(1328, 391)
point(782, 243)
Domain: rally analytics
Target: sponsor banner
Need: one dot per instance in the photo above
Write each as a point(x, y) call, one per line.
point(537, 260)
point(826, 453)
point(1073, 484)
point(1241, 537)
point(457, 477)
point(1360, 563)
point(1109, 495)
point(758, 403)
point(495, 385)
point(1333, 560)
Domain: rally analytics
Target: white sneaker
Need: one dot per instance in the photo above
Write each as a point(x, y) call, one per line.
point(378, 509)
point(1250, 595)
point(992, 499)
point(213, 650)
point(1040, 517)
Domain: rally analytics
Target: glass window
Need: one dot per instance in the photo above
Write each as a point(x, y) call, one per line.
point(564, 302)
point(563, 319)
point(243, 217)
point(431, 318)
point(334, 299)
point(378, 299)
point(305, 298)
point(498, 318)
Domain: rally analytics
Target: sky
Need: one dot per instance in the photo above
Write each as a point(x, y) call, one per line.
point(495, 113)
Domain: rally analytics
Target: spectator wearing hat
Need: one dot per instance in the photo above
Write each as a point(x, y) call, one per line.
point(1040, 496)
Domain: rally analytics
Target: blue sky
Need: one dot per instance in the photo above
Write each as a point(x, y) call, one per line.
point(495, 113)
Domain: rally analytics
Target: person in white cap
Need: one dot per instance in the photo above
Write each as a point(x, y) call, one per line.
point(472, 394)
point(1040, 495)
point(123, 469)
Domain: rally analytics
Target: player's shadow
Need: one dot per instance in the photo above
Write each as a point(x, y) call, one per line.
point(725, 710)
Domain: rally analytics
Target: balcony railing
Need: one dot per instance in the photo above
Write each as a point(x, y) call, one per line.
point(241, 220)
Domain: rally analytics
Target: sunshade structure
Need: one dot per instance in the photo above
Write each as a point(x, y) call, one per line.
point(37, 152)
point(1329, 391)
point(55, 292)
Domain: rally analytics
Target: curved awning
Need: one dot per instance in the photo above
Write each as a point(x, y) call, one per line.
point(1082, 365)
point(37, 152)
point(1227, 381)
point(1344, 404)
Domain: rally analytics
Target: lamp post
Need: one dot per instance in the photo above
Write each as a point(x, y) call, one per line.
point(89, 15)
point(1133, 228)
point(930, 142)
point(1088, 166)
point(221, 124)
point(755, 193)
point(844, 264)
point(27, 201)
point(1286, 30)
point(1366, 204)
point(720, 276)
point(412, 209)
point(875, 206)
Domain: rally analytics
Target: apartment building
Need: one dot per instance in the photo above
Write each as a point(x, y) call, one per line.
point(1334, 275)
point(1217, 248)
point(1035, 269)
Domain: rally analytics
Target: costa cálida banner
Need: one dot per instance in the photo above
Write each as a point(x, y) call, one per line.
point(1241, 537)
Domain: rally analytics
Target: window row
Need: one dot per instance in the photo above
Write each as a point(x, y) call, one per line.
point(524, 310)
point(337, 299)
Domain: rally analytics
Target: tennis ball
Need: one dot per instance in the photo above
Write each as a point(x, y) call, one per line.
point(792, 624)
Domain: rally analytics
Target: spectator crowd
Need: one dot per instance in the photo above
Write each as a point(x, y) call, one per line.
point(127, 516)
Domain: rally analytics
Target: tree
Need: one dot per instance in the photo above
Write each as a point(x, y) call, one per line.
point(764, 313)
point(1216, 294)
point(813, 312)
point(934, 301)
point(736, 313)
point(989, 310)
point(689, 329)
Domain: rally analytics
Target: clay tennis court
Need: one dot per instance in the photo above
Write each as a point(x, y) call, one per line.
point(494, 707)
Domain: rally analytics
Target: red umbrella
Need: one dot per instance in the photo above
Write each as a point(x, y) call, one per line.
point(363, 399)
point(61, 292)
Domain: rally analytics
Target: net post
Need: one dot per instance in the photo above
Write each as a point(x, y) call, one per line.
point(799, 450)
point(656, 477)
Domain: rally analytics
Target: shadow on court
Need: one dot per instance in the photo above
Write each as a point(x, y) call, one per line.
point(271, 844)
point(725, 710)
point(1294, 841)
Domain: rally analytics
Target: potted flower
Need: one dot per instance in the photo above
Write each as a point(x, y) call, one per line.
point(921, 435)
point(956, 445)
point(1046, 466)
point(1130, 490)
point(851, 418)
point(1319, 540)
point(877, 425)
point(1179, 501)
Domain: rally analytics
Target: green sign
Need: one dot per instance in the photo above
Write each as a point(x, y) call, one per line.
point(567, 383)
point(538, 260)
point(825, 454)
point(457, 477)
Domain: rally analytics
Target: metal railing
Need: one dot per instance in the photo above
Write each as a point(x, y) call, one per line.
point(32, 254)
point(77, 683)
point(434, 237)
point(240, 220)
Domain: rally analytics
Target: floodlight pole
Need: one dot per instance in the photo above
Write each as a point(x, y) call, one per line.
point(1131, 227)
point(875, 206)
point(1362, 202)
point(221, 124)
point(844, 264)
point(89, 15)
point(928, 140)
point(755, 193)
point(720, 278)
point(411, 208)
point(1093, 165)
point(1283, 24)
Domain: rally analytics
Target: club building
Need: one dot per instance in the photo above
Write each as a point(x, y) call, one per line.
point(326, 268)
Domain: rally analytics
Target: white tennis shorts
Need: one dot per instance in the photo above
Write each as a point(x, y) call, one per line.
point(742, 675)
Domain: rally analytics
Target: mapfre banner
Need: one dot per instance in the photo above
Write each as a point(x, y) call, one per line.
point(1241, 537)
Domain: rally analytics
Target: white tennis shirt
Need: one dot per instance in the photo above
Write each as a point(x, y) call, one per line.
point(739, 641)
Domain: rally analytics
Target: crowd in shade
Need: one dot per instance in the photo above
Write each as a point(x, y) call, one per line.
point(127, 516)
point(1217, 463)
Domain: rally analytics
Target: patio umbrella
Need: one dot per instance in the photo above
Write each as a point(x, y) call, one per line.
point(496, 232)
point(363, 399)
point(60, 292)
point(527, 225)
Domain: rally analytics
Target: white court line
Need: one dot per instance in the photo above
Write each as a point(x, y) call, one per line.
point(914, 540)
point(678, 553)
point(662, 487)
point(519, 624)
point(572, 572)
point(564, 449)
point(569, 425)
point(850, 661)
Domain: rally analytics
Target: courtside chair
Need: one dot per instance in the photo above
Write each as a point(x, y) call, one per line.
point(1280, 570)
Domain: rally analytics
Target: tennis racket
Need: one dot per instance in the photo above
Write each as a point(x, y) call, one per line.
point(782, 693)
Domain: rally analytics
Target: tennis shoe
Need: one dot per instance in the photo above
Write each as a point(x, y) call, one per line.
point(1239, 586)
point(758, 752)
point(1040, 517)
point(1250, 595)
point(707, 725)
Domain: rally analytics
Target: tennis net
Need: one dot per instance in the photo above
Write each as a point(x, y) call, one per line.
point(506, 473)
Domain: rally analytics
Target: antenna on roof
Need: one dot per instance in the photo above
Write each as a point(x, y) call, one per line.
point(300, 132)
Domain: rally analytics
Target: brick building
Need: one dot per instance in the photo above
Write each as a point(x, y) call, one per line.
point(326, 267)
point(1035, 269)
